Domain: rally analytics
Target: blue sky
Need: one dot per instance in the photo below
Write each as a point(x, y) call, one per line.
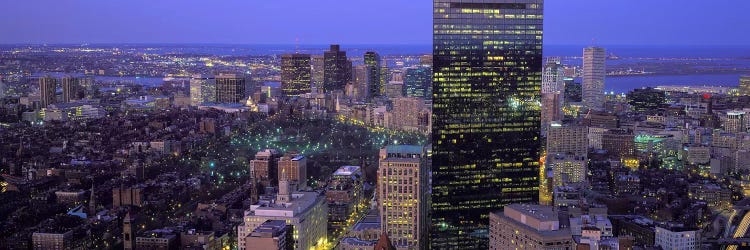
point(574, 22)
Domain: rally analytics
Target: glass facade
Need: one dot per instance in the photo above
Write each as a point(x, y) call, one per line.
point(372, 61)
point(418, 82)
point(296, 75)
point(487, 57)
point(337, 69)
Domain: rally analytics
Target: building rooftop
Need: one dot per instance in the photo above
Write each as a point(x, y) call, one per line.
point(300, 203)
point(347, 170)
point(539, 212)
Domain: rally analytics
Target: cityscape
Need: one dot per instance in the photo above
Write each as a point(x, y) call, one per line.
point(494, 132)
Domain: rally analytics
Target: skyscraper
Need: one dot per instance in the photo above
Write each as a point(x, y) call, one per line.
point(553, 92)
point(374, 84)
point(418, 82)
point(296, 75)
point(202, 89)
point(70, 89)
point(487, 82)
point(47, 90)
point(230, 88)
point(318, 69)
point(594, 59)
point(336, 69)
point(402, 195)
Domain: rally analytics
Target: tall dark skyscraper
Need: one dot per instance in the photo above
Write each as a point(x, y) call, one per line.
point(70, 89)
point(337, 70)
point(47, 90)
point(487, 83)
point(372, 61)
point(296, 74)
point(230, 88)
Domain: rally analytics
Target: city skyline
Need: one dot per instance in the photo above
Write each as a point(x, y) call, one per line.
point(581, 22)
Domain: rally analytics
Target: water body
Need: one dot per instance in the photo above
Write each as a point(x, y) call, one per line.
point(623, 84)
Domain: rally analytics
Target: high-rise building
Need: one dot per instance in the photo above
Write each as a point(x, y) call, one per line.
point(567, 139)
point(418, 82)
point(567, 168)
point(374, 83)
point(402, 194)
point(736, 122)
point(230, 88)
point(296, 75)
point(486, 122)
point(553, 92)
point(272, 234)
point(745, 85)
point(47, 90)
point(318, 70)
point(361, 90)
point(293, 168)
point(202, 89)
point(344, 196)
point(264, 167)
point(70, 89)
point(336, 69)
point(594, 71)
point(526, 226)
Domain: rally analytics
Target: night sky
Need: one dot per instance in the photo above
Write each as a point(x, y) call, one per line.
point(567, 22)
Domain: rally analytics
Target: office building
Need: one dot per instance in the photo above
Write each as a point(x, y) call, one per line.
point(744, 85)
point(293, 168)
point(594, 71)
point(418, 82)
point(47, 91)
point(296, 75)
point(271, 235)
point(374, 84)
point(317, 63)
point(402, 195)
point(264, 167)
point(202, 89)
point(360, 90)
point(486, 123)
point(344, 195)
point(526, 226)
point(336, 69)
point(567, 139)
point(70, 89)
point(553, 91)
point(674, 238)
point(305, 212)
point(567, 169)
point(736, 122)
point(231, 88)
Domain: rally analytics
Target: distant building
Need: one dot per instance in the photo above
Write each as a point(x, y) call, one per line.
point(744, 85)
point(646, 99)
point(736, 122)
point(337, 69)
point(296, 74)
point(128, 232)
point(360, 89)
point(231, 88)
point(418, 82)
point(70, 89)
point(127, 197)
point(318, 69)
point(47, 90)
point(402, 194)
point(567, 139)
point(271, 235)
point(677, 238)
point(529, 227)
point(619, 144)
point(594, 71)
point(374, 83)
point(202, 89)
point(157, 240)
point(410, 114)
